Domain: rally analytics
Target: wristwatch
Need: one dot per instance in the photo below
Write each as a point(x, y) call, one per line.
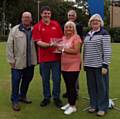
point(63, 50)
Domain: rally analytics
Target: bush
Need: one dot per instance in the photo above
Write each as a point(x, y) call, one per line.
point(115, 34)
point(3, 38)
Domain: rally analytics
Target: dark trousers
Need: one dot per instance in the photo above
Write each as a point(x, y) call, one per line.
point(98, 88)
point(77, 87)
point(70, 79)
point(45, 70)
point(20, 82)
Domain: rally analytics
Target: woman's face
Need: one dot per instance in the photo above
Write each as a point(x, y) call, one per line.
point(95, 24)
point(69, 29)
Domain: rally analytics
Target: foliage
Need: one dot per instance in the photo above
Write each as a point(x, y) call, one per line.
point(83, 4)
point(14, 9)
point(106, 13)
point(115, 34)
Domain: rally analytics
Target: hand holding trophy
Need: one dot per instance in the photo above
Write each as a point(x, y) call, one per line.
point(56, 42)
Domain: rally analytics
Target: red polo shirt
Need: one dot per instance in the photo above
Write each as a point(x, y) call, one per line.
point(43, 32)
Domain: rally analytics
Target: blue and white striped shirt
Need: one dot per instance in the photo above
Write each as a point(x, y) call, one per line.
point(97, 49)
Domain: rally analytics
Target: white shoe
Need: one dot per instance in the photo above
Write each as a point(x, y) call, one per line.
point(65, 107)
point(70, 110)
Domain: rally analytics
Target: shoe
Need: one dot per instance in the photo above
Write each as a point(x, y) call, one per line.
point(65, 107)
point(70, 110)
point(91, 110)
point(16, 107)
point(65, 95)
point(58, 103)
point(25, 100)
point(45, 102)
point(100, 113)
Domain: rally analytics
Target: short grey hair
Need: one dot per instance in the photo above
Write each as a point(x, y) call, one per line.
point(96, 16)
point(26, 14)
point(73, 11)
point(73, 24)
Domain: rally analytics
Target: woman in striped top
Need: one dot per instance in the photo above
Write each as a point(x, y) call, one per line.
point(96, 58)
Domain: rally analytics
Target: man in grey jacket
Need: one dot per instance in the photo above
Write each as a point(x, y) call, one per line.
point(21, 56)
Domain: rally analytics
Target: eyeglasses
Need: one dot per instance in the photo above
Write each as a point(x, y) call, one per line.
point(71, 15)
point(96, 20)
point(47, 13)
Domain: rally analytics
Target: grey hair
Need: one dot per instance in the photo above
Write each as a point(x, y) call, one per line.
point(73, 12)
point(27, 14)
point(96, 16)
point(73, 24)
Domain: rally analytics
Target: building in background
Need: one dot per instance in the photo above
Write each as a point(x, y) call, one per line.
point(114, 13)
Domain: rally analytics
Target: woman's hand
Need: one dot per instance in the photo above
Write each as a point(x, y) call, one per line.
point(104, 71)
point(59, 49)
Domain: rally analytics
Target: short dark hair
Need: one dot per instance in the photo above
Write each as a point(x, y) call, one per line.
point(43, 8)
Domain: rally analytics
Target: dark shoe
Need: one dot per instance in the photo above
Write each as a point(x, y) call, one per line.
point(58, 103)
point(65, 95)
point(16, 107)
point(25, 100)
point(45, 102)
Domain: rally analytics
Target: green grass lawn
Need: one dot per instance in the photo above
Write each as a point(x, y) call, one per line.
point(34, 111)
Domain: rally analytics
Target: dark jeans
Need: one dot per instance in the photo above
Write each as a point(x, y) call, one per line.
point(20, 82)
point(45, 70)
point(98, 88)
point(70, 79)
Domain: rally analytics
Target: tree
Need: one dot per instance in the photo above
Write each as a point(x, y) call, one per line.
point(106, 13)
point(59, 8)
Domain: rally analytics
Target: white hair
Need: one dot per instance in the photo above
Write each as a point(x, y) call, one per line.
point(96, 16)
point(73, 24)
point(72, 11)
point(26, 14)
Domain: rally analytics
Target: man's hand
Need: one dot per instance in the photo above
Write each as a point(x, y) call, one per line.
point(12, 65)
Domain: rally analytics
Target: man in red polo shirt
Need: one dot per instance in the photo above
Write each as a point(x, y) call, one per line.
point(49, 61)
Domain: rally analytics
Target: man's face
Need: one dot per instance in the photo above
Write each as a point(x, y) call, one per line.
point(46, 16)
point(26, 20)
point(72, 16)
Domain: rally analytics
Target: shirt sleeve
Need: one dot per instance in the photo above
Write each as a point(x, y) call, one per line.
point(106, 50)
point(78, 39)
point(10, 48)
point(36, 36)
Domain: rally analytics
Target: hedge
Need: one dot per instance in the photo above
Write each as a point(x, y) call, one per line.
point(114, 32)
point(3, 38)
